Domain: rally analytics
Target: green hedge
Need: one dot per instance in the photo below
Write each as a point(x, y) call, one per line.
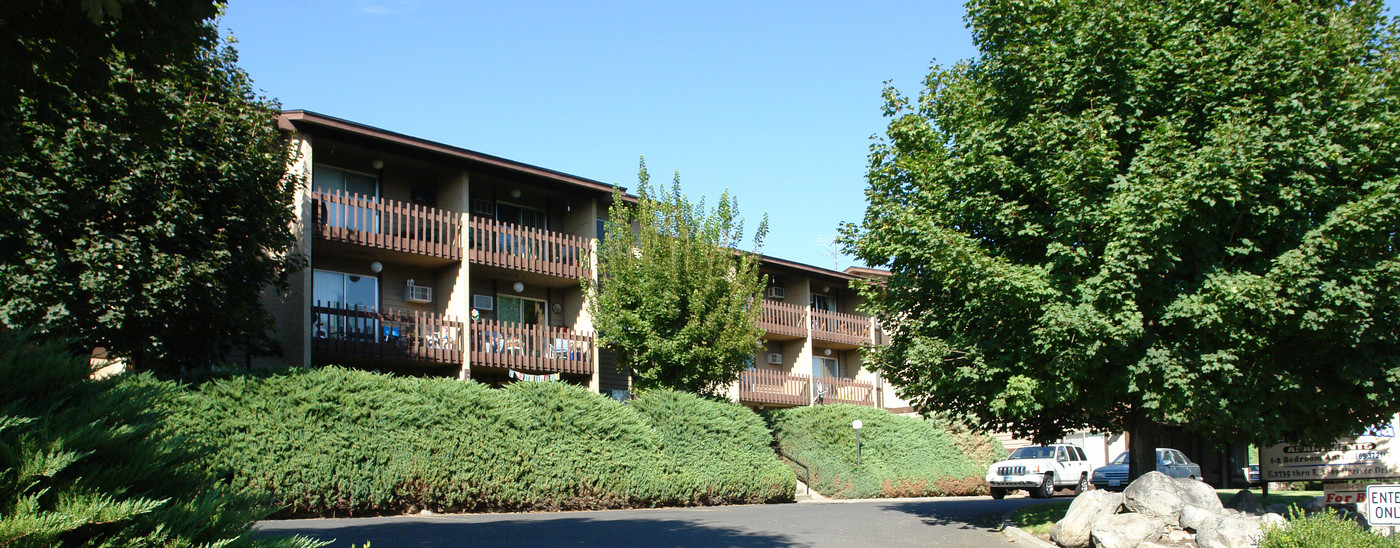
point(724, 452)
point(333, 441)
point(900, 456)
point(91, 462)
point(1325, 529)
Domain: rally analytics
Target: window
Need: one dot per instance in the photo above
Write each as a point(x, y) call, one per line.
point(331, 180)
point(510, 308)
point(521, 215)
point(1081, 453)
point(346, 293)
point(826, 367)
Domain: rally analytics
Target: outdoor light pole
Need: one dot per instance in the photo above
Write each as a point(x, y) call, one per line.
point(856, 424)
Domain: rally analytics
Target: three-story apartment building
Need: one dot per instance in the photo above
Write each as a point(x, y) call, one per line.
point(429, 259)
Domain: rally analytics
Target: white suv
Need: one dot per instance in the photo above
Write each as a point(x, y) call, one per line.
point(1040, 471)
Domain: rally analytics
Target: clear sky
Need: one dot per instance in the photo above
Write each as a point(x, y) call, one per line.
point(776, 101)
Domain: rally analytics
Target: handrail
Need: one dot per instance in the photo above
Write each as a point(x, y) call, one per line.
point(386, 224)
point(783, 318)
point(495, 243)
point(841, 327)
point(806, 472)
point(342, 329)
point(532, 349)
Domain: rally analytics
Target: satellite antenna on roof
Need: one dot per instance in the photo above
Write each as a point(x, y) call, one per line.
point(829, 244)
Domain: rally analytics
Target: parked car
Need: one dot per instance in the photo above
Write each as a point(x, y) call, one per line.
point(1171, 462)
point(1040, 470)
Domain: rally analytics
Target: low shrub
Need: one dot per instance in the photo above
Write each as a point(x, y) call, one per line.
point(88, 462)
point(332, 441)
point(721, 452)
point(1326, 529)
point(900, 456)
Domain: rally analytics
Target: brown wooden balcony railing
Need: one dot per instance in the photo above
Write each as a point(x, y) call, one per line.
point(840, 327)
point(843, 390)
point(387, 224)
point(495, 243)
point(776, 387)
point(532, 349)
point(783, 318)
point(337, 329)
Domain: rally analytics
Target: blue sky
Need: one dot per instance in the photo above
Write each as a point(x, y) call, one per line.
point(776, 101)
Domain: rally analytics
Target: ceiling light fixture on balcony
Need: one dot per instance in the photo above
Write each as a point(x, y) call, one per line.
point(826, 352)
point(518, 287)
point(377, 164)
point(376, 267)
point(514, 193)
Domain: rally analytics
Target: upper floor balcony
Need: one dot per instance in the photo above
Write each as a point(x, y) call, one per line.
point(780, 318)
point(841, 328)
point(535, 250)
point(386, 224)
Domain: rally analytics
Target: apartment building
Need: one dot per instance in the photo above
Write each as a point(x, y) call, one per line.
point(429, 259)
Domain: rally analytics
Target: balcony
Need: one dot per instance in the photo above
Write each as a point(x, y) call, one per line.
point(841, 328)
point(532, 349)
point(411, 335)
point(843, 390)
point(775, 387)
point(781, 318)
point(505, 245)
point(386, 224)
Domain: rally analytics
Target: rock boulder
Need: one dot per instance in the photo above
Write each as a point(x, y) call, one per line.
point(1126, 531)
point(1230, 532)
point(1074, 530)
point(1154, 495)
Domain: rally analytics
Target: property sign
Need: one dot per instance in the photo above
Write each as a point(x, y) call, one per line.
point(1335, 494)
point(1373, 455)
point(1383, 504)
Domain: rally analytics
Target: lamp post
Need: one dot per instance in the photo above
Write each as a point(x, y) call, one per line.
point(856, 424)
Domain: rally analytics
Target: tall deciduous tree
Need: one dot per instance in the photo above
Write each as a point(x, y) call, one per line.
point(1122, 215)
point(675, 298)
point(146, 198)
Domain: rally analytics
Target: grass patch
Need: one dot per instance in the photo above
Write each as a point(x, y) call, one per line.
point(1039, 518)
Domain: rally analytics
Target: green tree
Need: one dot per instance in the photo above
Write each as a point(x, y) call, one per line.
point(675, 298)
point(1125, 215)
point(146, 197)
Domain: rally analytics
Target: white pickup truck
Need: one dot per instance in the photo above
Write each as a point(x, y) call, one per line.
point(1040, 470)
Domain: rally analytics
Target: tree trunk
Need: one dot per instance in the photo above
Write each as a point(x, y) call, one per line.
point(1142, 447)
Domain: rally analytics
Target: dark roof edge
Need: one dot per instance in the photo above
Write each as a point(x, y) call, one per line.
point(769, 260)
point(290, 120)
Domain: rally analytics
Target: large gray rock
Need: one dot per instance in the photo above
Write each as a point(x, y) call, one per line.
point(1088, 507)
point(1230, 532)
point(1198, 493)
point(1154, 495)
point(1193, 518)
point(1125, 530)
point(1247, 503)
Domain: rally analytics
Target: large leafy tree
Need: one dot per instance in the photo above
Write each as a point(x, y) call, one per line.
point(675, 298)
point(1123, 215)
point(146, 199)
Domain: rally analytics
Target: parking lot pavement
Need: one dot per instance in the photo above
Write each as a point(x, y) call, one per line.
point(952, 522)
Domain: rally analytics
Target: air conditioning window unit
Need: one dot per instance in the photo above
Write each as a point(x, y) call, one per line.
point(484, 207)
point(775, 358)
point(483, 302)
point(775, 292)
point(418, 294)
